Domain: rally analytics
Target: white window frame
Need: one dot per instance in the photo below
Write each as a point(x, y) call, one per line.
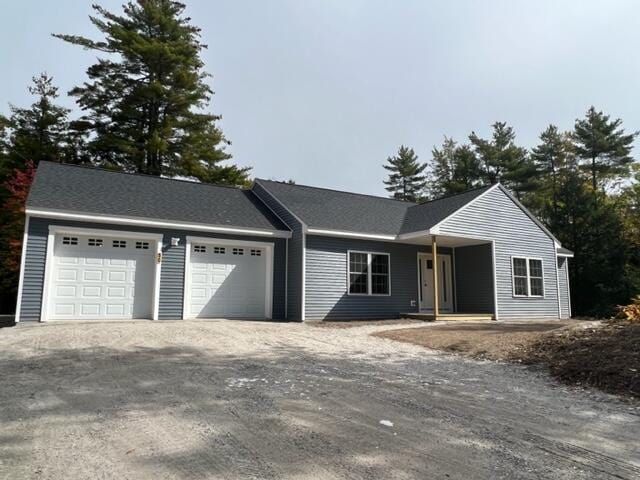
point(369, 274)
point(513, 282)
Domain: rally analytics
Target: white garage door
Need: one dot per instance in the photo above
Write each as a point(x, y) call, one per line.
point(101, 277)
point(227, 280)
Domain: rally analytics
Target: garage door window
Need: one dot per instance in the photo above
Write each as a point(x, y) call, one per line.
point(142, 245)
point(200, 248)
point(219, 250)
point(238, 251)
point(95, 242)
point(119, 244)
point(70, 240)
point(256, 253)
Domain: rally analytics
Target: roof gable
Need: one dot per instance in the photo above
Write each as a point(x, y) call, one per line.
point(425, 215)
point(322, 208)
point(88, 190)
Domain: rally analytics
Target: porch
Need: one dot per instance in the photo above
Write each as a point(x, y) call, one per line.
point(449, 317)
point(456, 279)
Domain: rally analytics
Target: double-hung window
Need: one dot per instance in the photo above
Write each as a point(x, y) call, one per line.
point(527, 277)
point(369, 273)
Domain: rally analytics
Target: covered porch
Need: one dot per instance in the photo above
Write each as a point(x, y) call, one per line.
point(456, 279)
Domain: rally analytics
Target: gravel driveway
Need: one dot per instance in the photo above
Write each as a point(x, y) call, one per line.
point(222, 399)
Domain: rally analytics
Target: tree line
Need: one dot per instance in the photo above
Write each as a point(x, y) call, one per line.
point(583, 184)
point(145, 108)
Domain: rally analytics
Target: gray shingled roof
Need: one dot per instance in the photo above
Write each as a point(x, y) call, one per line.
point(96, 191)
point(335, 210)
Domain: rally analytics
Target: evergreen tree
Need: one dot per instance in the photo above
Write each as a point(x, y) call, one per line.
point(406, 180)
point(38, 132)
point(454, 169)
point(501, 160)
point(603, 147)
point(552, 157)
point(145, 98)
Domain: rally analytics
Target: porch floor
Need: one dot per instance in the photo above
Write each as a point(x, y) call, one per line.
point(430, 317)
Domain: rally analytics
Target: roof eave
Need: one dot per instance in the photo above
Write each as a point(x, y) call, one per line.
point(149, 222)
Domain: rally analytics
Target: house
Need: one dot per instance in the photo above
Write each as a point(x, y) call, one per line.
point(100, 244)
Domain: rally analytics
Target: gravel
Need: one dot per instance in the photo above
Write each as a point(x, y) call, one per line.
point(223, 399)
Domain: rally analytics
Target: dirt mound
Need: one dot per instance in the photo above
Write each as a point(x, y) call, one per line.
point(606, 356)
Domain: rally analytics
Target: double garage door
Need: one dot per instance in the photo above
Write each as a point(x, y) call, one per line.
point(114, 277)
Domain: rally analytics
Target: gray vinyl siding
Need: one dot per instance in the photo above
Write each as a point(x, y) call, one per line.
point(171, 272)
point(295, 251)
point(495, 216)
point(474, 279)
point(563, 277)
point(326, 279)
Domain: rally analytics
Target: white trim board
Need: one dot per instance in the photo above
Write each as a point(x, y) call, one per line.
point(144, 222)
point(269, 267)
point(23, 261)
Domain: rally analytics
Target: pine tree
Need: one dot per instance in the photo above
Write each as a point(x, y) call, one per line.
point(146, 96)
point(454, 169)
point(38, 132)
point(406, 180)
point(603, 147)
point(501, 160)
point(552, 157)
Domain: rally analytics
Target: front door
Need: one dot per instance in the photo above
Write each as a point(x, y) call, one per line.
point(445, 290)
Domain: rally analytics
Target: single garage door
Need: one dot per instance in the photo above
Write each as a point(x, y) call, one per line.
point(227, 280)
point(101, 277)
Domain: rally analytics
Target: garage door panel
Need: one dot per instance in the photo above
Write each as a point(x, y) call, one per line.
point(224, 284)
point(94, 280)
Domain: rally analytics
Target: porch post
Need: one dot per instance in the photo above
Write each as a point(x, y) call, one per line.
point(436, 298)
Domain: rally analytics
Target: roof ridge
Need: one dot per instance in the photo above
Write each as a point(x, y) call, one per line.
point(135, 174)
point(338, 191)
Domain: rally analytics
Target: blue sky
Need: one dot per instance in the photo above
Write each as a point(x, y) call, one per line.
point(323, 91)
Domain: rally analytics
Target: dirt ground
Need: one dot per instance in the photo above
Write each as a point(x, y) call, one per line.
point(597, 354)
point(491, 340)
point(226, 400)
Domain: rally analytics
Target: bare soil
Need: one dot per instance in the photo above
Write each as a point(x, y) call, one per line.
point(362, 323)
point(585, 353)
point(251, 400)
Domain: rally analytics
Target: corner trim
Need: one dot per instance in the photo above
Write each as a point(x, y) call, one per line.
point(23, 261)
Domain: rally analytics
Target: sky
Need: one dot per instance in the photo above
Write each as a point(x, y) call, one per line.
point(323, 91)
